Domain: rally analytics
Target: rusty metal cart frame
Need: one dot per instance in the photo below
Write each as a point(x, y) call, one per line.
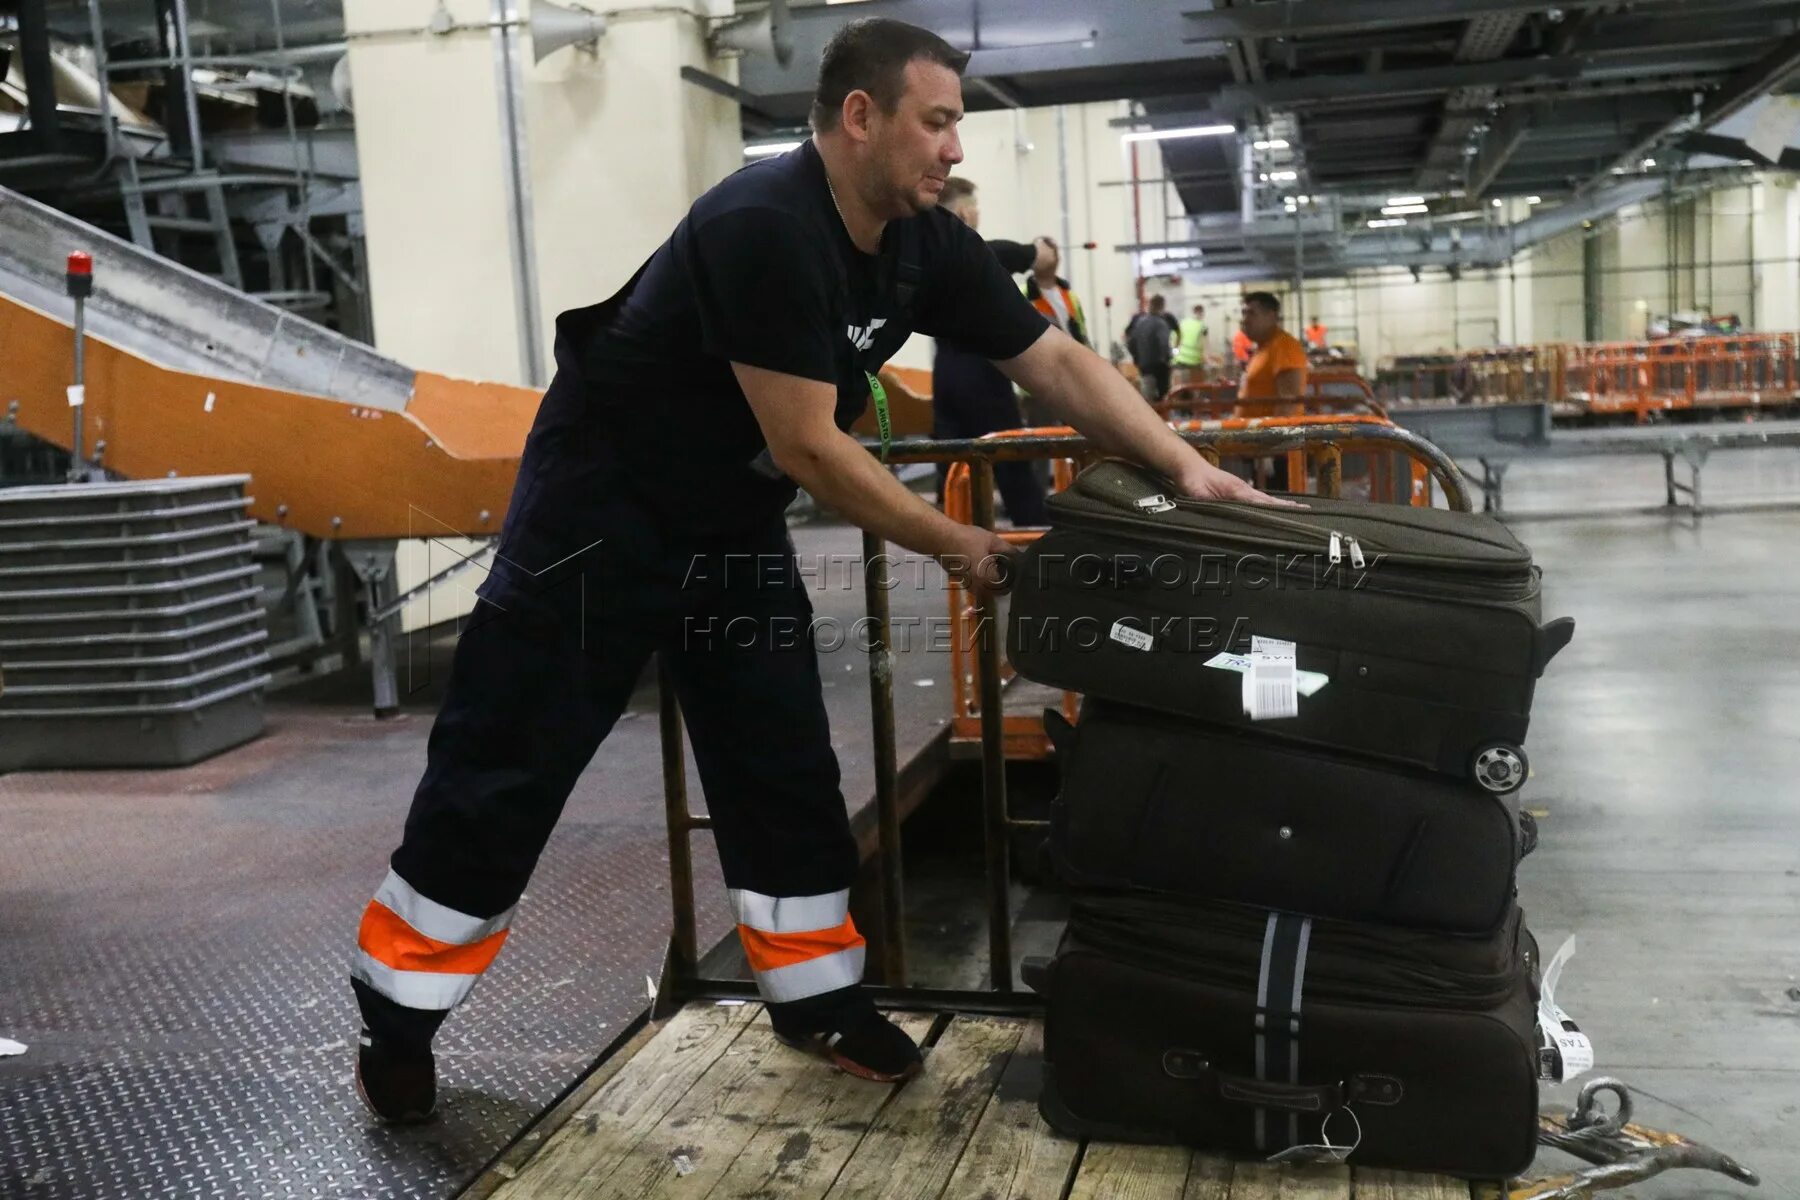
point(681, 980)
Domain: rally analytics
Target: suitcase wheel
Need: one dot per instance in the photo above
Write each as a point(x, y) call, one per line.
point(1501, 768)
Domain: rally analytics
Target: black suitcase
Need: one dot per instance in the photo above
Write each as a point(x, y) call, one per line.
point(1158, 802)
point(1232, 1029)
point(1425, 622)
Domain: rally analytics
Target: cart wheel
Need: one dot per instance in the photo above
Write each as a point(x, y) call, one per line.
point(1501, 768)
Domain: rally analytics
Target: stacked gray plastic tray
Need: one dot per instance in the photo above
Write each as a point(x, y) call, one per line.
point(131, 624)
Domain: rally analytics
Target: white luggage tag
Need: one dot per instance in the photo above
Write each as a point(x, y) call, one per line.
point(1324, 1152)
point(1271, 685)
point(1564, 1052)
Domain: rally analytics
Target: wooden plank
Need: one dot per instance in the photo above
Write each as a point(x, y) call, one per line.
point(1406, 1185)
point(1273, 1181)
point(808, 1135)
point(1013, 1154)
point(599, 1137)
point(697, 1141)
point(1122, 1171)
point(915, 1142)
point(1209, 1177)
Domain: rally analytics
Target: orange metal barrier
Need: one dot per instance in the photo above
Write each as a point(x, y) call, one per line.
point(1328, 390)
point(1636, 379)
point(1313, 467)
point(1639, 378)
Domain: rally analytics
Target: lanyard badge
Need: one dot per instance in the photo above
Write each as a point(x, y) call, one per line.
point(878, 394)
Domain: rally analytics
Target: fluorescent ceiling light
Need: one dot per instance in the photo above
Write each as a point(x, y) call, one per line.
point(767, 148)
point(1284, 176)
point(1649, 162)
point(1271, 144)
point(1187, 131)
point(1387, 222)
point(1406, 200)
point(1534, 199)
point(1498, 202)
point(1396, 210)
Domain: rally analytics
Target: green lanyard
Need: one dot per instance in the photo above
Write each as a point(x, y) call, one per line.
point(878, 394)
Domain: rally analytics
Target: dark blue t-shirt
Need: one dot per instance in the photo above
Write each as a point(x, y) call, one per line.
point(761, 271)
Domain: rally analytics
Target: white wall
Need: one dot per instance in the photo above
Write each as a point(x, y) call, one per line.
point(1017, 161)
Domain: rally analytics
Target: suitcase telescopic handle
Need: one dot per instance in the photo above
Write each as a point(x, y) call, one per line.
point(1289, 1097)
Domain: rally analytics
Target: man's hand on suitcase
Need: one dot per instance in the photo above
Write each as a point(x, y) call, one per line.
point(983, 562)
point(1203, 481)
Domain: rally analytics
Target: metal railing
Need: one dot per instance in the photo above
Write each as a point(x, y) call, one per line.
point(681, 980)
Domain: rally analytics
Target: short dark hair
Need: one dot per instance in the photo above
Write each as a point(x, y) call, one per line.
point(870, 55)
point(1267, 301)
point(1199, 308)
point(1156, 302)
point(956, 190)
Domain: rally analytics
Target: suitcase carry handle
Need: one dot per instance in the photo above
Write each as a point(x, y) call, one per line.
point(1552, 638)
point(1289, 1097)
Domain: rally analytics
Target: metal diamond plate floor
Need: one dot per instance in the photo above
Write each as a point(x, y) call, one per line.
point(176, 945)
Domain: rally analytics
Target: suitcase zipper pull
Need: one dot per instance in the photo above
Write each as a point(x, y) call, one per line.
point(1356, 554)
point(1153, 504)
point(1337, 547)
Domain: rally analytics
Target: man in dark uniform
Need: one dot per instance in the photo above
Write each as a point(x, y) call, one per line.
point(648, 518)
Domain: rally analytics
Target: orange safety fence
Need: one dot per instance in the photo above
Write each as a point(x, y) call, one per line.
point(1734, 371)
point(1737, 371)
point(1328, 390)
point(1315, 465)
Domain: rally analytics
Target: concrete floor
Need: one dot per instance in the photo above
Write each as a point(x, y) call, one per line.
point(176, 941)
point(1665, 743)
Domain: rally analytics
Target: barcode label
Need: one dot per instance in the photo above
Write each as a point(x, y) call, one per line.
point(1271, 685)
point(1137, 639)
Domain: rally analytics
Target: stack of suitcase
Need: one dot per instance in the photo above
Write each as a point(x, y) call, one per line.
point(1289, 937)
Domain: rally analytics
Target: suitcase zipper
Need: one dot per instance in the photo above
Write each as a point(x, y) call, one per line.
point(1491, 592)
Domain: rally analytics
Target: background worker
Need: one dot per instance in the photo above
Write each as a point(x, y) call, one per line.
point(1190, 348)
point(1241, 348)
point(685, 413)
point(970, 396)
point(1277, 366)
point(1316, 336)
point(1150, 337)
point(1052, 296)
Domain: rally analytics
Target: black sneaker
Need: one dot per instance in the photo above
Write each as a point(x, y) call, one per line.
point(861, 1042)
point(398, 1084)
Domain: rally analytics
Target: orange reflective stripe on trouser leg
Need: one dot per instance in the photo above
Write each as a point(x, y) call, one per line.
point(793, 966)
point(422, 954)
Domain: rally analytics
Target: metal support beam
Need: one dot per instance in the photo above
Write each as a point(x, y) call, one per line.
point(1423, 81)
point(1347, 16)
point(40, 76)
point(1742, 89)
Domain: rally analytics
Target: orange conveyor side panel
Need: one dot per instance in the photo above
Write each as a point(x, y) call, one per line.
point(444, 466)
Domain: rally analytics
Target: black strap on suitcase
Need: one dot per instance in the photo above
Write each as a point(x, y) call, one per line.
point(1157, 802)
point(1250, 1032)
point(1425, 622)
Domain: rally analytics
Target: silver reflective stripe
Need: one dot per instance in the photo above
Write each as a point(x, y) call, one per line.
point(790, 914)
point(432, 919)
point(1262, 1005)
point(414, 989)
point(1294, 1023)
point(826, 973)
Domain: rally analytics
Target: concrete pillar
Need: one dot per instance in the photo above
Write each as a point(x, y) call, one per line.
point(607, 147)
point(612, 146)
point(1777, 242)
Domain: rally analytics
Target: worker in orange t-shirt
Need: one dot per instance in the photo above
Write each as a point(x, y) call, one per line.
point(1315, 334)
point(1277, 370)
point(1242, 348)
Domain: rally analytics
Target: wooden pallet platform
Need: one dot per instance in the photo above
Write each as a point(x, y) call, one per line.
point(713, 1106)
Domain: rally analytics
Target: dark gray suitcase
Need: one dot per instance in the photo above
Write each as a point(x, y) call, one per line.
point(1161, 803)
point(1425, 622)
point(1232, 1029)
